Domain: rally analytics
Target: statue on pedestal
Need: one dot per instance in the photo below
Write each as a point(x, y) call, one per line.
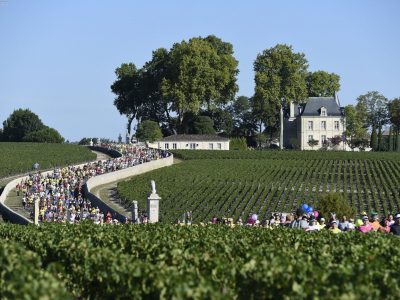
point(153, 187)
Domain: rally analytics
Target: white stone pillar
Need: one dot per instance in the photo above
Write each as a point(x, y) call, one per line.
point(36, 212)
point(135, 214)
point(153, 207)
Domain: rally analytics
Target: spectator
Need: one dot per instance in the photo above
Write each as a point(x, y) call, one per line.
point(375, 223)
point(365, 227)
point(395, 228)
point(334, 227)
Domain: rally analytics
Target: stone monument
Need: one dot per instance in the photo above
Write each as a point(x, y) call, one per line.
point(135, 213)
point(153, 204)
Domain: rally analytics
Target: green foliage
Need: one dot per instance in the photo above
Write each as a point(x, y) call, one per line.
point(18, 158)
point(148, 131)
point(45, 135)
point(22, 275)
point(312, 143)
point(211, 262)
point(355, 125)
point(322, 84)
point(374, 139)
point(237, 183)
point(20, 123)
point(335, 203)
point(203, 125)
point(373, 107)
point(238, 144)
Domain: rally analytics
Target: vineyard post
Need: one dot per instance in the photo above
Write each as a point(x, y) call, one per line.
point(135, 212)
point(36, 212)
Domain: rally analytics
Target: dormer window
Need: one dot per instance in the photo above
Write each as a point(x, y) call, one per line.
point(323, 112)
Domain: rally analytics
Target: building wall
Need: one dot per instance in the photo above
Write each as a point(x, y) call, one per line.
point(190, 145)
point(317, 132)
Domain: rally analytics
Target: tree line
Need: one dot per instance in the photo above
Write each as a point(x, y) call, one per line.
point(191, 88)
point(25, 126)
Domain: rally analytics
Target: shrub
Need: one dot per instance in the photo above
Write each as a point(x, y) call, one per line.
point(46, 135)
point(335, 203)
point(238, 144)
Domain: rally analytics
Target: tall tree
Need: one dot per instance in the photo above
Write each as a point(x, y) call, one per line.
point(128, 93)
point(394, 114)
point(202, 74)
point(354, 124)
point(374, 139)
point(279, 77)
point(322, 84)
point(19, 124)
point(373, 106)
point(244, 123)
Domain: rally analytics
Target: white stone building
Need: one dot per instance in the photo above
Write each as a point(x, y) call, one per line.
point(191, 142)
point(320, 118)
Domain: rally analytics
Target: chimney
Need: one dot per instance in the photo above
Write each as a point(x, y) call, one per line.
point(291, 109)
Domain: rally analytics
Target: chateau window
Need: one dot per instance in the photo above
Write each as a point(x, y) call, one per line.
point(323, 112)
point(323, 139)
point(323, 125)
point(310, 125)
point(211, 146)
point(310, 138)
point(166, 146)
point(219, 146)
point(192, 145)
point(336, 125)
point(174, 146)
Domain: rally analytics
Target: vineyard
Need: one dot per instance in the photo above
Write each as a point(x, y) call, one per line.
point(18, 158)
point(235, 184)
point(194, 262)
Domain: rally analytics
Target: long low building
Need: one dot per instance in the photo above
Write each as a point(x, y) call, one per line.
point(191, 142)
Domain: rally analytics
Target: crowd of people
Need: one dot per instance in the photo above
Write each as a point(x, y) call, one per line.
point(309, 223)
point(61, 194)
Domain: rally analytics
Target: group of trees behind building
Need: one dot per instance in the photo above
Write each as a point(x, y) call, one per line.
point(191, 88)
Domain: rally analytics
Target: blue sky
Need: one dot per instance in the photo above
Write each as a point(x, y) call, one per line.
point(58, 57)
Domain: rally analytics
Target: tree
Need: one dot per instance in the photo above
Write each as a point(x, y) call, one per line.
point(374, 139)
point(355, 126)
point(148, 131)
point(279, 77)
point(203, 125)
point(390, 140)
point(244, 123)
point(394, 114)
point(312, 143)
point(202, 73)
point(19, 124)
point(373, 107)
point(46, 135)
point(128, 92)
point(335, 203)
point(322, 84)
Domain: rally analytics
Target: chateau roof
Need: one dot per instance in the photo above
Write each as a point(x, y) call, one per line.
point(194, 137)
point(314, 104)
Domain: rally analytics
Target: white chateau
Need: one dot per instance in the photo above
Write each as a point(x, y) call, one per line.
point(320, 118)
point(191, 142)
